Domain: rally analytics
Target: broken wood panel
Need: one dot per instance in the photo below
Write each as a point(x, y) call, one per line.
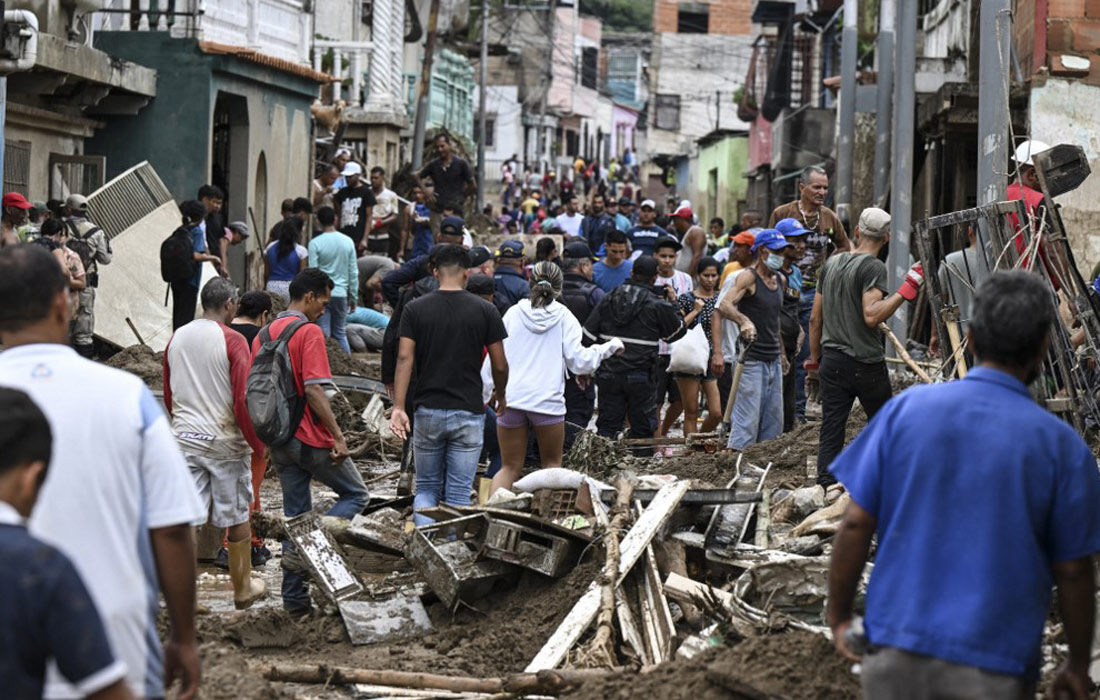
point(763, 519)
point(629, 627)
point(683, 589)
point(653, 604)
point(631, 549)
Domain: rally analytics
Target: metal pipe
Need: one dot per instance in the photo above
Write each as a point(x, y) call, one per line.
point(849, 40)
point(905, 62)
point(30, 51)
point(885, 104)
point(993, 66)
point(482, 99)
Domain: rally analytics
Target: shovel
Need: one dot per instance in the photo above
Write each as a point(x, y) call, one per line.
point(724, 428)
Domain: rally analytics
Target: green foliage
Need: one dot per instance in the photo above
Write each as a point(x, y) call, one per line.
point(621, 15)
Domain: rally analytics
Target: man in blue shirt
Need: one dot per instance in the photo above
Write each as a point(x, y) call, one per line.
point(981, 500)
point(511, 284)
point(334, 254)
point(46, 613)
point(614, 269)
point(622, 218)
point(643, 237)
point(185, 295)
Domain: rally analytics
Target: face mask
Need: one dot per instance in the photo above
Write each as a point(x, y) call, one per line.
point(774, 261)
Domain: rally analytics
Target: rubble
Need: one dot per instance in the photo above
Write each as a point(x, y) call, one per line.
point(143, 362)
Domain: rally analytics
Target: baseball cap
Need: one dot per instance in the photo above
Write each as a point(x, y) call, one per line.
point(241, 228)
point(479, 254)
point(771, 238)
point(76, 202)
point(578, 250)
point(874, 222)
point(645, 267)
point(549, 225)
point(684, 212)
point(14, 199)
point(39, 206)
point(510, 249)
point(743, 238)
point(648, 203)
point(667, 242)
point(625, 201)
point(790, 227)
point(451, 226)
point(352, 168)
point(481, 284)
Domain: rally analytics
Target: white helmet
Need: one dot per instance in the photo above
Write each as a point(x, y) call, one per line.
point(1026, 150)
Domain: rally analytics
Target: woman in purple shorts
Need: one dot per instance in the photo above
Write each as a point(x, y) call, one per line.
point(544, 339)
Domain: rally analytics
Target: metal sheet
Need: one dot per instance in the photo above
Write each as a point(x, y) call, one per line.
point(374, 621)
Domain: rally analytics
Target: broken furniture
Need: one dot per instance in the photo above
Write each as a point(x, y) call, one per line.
point(448, 555)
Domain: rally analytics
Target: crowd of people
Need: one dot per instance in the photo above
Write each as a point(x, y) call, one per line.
point(632, 319)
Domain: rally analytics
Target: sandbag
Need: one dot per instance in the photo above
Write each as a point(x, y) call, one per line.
point(690, 354)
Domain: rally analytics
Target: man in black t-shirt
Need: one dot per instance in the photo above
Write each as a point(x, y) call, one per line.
point(354, 204)
point(443, 334)
point(452, 178)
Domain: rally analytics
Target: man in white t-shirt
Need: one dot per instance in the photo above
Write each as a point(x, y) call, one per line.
point(118, 500)
point(206, 368)
point(570, 220)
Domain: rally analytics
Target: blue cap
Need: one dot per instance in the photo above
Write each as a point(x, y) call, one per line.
point(771, 238)
point(452, 225)
point(510, 249)
point(791, 227)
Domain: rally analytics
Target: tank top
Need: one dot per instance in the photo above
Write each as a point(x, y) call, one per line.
point(762, 308)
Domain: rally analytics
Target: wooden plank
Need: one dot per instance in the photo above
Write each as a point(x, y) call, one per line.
point(629, 626)
point(653, 591)
point(681, 588)
point(763, 519)
point(631, 548)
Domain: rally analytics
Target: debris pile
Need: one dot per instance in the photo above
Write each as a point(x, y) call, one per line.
point(142, 361)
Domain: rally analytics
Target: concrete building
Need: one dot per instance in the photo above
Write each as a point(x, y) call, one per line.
point(232, 115)
point(503, 130)
point(720, 171)
point(699, 58)
point(72, 93)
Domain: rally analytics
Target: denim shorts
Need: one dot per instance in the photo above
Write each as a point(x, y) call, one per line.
point(518, 418)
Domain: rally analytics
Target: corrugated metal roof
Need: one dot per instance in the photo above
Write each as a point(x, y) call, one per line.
point(279, 64)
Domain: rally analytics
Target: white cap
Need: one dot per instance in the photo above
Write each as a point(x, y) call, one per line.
point(1027, 150)
point(874, 222)
point(352, 168)
point(648, 203)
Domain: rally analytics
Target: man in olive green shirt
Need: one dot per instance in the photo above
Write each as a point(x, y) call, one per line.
point(845, 343)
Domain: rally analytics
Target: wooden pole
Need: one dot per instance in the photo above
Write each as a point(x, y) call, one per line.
point(904, 354)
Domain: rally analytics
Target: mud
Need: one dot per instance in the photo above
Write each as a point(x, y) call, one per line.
point(143, 362)
point(792, 664)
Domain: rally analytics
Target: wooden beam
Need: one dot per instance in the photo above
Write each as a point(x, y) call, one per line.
point(631, 549)
point(683, 589)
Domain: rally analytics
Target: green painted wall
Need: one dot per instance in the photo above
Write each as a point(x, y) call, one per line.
point(719, 178)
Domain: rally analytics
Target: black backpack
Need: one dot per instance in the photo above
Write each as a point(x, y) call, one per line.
point(177, 259)
point(274, 404)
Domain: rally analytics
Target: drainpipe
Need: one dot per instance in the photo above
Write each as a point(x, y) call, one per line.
point(25, 62)
point(884, 109)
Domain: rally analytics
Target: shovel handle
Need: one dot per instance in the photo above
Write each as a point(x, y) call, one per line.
point(739, 368)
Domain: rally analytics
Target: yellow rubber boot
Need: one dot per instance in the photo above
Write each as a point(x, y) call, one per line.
point(245, 590)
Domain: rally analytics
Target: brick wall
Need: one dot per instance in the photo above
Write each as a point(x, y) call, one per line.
point(1073, 26)
point(726, 16)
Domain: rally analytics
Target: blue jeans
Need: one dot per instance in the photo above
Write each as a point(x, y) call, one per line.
point(446, 446)
point(297, 463)
point(492, 445)
point(334, 322)
point(758, 408)
point(805, 306)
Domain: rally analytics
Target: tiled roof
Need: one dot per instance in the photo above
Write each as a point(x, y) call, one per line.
point(279, 64)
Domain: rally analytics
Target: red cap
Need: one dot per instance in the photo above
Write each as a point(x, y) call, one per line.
point(684, 212)
point(14, 199)
point(744, 238)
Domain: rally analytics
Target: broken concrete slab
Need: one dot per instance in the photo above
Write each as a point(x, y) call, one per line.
point(387, 620)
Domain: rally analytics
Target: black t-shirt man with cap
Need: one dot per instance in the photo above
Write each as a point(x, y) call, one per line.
point(442, 335)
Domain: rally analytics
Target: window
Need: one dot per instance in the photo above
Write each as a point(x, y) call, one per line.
point(17, 166)
point(667, 112)
point(81, 174)
point(490, 131)
point(589, 66)
point(693, 18)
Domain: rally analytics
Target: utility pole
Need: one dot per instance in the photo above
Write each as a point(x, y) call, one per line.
point(993, 67)
point(884, 55)
point(484, 86)
point(849, 40)
point(541, 141)
point(905, 63)
point(425, 87)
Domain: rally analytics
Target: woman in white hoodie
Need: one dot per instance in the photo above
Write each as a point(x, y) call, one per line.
point(544, 340)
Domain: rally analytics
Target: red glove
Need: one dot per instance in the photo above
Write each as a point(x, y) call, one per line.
point(912, 284)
